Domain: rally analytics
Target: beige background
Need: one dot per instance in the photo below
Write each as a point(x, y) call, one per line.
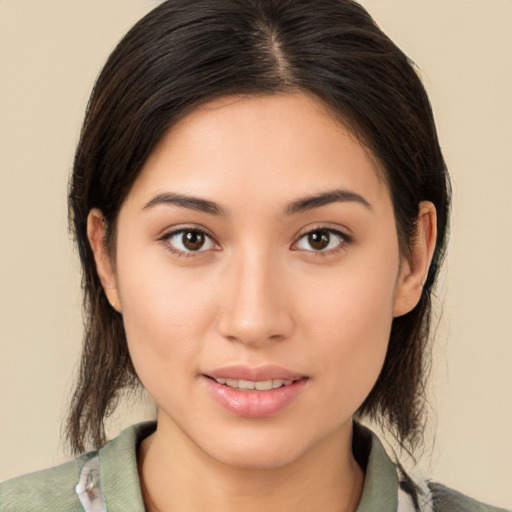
point(50, 54)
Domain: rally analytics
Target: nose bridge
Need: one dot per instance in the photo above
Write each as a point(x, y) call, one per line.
point(255, 311)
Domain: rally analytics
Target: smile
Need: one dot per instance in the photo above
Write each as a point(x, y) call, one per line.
point(263, 393)
point(250, 385)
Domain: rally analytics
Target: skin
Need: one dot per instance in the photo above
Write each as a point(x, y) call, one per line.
point(258, 292)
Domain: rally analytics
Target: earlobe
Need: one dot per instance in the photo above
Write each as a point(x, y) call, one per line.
point(96, 231)
point(414, 270)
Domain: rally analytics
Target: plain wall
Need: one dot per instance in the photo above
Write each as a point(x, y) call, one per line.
point(50, 53)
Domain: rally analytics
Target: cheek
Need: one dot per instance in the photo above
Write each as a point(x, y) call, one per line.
point(355, 332)
point(165, 312)
point(350, 323)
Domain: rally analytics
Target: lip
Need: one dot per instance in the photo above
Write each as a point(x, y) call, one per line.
point(254, 403)
point(261, 373)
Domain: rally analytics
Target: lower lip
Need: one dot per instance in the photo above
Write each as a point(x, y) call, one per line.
point(255, 404)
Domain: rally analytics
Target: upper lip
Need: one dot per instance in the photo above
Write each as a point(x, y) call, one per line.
point(256, 374)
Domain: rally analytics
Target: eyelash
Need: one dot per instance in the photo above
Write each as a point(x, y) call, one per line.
point(344, 240)
point(166, 239)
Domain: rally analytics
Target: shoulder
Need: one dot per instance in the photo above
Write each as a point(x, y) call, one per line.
point(108, 475)
point(449, 500)
point(49, 489)
point(388, 486)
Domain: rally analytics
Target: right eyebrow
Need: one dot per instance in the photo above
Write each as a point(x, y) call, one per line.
point(185, 201)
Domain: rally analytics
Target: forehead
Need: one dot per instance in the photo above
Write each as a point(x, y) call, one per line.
point(277, 145)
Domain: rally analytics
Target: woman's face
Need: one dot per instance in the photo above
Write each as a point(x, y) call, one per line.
point(258, 249)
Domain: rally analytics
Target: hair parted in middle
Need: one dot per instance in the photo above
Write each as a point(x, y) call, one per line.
point(185, 53)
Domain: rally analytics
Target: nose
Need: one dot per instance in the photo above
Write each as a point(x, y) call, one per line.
point(255, 310)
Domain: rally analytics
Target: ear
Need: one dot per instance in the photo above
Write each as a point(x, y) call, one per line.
point(413, 273)
point(96, 233)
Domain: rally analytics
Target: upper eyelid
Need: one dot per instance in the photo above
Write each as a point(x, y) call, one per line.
point(166, 233)
point(345, 233)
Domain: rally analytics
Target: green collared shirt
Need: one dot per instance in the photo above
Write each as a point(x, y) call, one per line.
point(107, 480)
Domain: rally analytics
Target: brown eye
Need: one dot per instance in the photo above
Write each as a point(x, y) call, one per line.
point(193, 240)
point(189, 241)
point(319, 240)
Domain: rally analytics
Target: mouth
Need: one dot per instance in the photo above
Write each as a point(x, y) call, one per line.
point(255, 392)
point(251, 385)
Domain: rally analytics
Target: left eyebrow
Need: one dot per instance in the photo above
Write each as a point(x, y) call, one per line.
point(324, 198)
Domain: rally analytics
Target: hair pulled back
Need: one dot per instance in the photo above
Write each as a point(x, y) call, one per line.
point(187, 52)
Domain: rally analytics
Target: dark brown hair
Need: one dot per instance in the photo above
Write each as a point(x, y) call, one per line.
point(187, 52)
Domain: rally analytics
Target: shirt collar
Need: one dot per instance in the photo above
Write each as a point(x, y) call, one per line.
point(380, 491)
point(119, 479)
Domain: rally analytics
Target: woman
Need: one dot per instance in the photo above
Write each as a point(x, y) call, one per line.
point(260, 204)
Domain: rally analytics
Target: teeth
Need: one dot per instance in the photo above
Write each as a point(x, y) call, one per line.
point(263, 385)
point(246, 384)
point(249, 385)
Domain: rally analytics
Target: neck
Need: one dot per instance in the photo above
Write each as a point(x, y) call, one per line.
point(177, 476)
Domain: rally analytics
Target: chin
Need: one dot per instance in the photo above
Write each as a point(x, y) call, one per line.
point(258, 457)
point(261, 448)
